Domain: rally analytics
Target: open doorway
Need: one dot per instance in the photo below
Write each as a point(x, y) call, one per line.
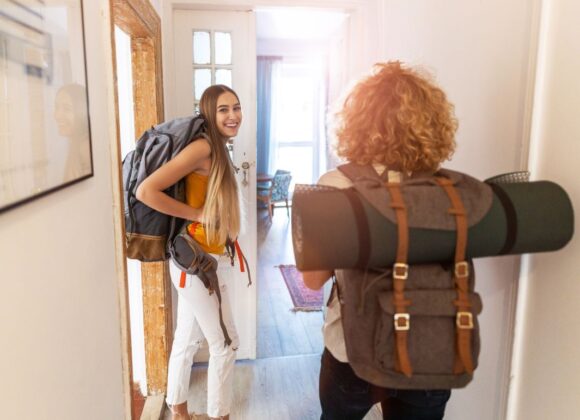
point(295, 50)
point(146, 303)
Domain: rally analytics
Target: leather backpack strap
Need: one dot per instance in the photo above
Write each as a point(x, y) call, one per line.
point(464, 317)
point(402, 319)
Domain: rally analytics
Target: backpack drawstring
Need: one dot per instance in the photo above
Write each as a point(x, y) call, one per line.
point(233, 248)
point(365, 287)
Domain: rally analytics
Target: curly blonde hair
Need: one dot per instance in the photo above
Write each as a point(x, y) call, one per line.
point(398, 118)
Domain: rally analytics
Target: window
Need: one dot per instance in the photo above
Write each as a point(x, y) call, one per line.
point(298, 120)
point(212, 61)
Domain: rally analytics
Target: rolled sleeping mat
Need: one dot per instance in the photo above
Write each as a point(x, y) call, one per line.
point(338, 229)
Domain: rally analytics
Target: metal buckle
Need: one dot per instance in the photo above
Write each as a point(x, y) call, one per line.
point(461, 269)
point(464, 316)
point(406, 321)
point(401, 275)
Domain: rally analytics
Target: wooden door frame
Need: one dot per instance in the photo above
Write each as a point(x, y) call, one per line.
point(142, 23)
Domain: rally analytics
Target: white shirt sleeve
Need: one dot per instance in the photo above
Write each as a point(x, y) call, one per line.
point(335, 178)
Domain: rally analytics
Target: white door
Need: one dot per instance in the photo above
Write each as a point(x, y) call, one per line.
point(220, 47)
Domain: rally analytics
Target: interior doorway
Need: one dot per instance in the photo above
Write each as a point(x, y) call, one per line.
point(146, 302)
point(296, 48)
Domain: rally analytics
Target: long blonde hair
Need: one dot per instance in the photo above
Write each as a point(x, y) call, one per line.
point(222, 214)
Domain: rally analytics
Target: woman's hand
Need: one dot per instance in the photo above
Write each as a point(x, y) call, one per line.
point(196, 214)
point(315, 279)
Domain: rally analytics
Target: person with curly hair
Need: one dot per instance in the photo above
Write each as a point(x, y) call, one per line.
point(397, 120)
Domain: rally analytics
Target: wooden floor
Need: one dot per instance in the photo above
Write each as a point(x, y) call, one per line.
point(281, 332)
point(282, 384)
point(278, 388)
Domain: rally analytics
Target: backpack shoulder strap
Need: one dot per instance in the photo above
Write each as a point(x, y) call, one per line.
point(356, 172)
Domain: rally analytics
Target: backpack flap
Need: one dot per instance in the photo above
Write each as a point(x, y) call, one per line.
point(431, 334)
point(426, 201)
point(429, 303)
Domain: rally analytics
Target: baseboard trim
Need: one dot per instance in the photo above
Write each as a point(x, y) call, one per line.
point(154, 407)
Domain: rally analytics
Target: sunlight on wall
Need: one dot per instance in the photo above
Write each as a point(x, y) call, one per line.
point(127, 133)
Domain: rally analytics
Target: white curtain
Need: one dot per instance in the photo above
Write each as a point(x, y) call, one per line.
point(275, 99)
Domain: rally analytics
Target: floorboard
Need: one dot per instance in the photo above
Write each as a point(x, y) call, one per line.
point(280, 388)
point(281, 332)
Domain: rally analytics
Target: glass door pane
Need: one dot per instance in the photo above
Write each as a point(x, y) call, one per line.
point(201, 48)
point(223, 48)
point(223, 77)
point(201, 80)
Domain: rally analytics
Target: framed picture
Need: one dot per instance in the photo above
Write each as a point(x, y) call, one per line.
point(45, 136)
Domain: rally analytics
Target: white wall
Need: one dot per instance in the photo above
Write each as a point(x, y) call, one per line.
point(157, 5)
point(482, 54)
point(547, 365)
point(61, 351)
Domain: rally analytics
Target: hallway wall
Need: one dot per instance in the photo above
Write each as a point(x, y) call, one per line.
point(59, 318)
point(547, 363)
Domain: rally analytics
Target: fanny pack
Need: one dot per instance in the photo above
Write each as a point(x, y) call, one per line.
point(188, 255)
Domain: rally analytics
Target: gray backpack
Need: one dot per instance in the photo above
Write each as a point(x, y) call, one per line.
point(414, 327)
point(149, 232)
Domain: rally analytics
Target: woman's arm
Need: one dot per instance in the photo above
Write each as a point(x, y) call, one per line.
point(315, 279)
point(193, 158)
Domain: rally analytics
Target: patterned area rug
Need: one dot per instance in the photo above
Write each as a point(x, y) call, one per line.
point(304, 299)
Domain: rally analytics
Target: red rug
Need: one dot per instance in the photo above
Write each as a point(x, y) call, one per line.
point(304, 299)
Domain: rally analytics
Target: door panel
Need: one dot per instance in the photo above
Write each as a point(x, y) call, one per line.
point(225, 49)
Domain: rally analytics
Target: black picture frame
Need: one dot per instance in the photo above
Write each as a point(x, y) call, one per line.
point(45, 130)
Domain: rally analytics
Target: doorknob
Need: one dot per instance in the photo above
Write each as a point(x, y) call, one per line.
point(245, 167)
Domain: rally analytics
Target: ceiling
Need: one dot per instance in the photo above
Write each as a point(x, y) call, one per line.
point(297, 23)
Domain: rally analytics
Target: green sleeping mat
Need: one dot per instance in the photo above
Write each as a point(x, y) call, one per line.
point(513, 218)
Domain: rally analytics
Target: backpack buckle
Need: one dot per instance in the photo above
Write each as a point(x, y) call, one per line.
point(400, 271)
point(402, 321)
point(461, 269)
point(464, 320)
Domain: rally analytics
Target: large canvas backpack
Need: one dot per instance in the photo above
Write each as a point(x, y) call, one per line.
point(415, 326)
point(148, 232)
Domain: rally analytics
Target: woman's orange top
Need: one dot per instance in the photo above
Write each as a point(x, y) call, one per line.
point(195, 192)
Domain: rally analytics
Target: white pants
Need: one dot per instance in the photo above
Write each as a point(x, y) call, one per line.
point(198, 317)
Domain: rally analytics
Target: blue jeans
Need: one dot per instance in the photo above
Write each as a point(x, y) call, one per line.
point(344, 396)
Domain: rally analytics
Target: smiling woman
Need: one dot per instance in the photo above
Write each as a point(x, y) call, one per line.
point(212, 204)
